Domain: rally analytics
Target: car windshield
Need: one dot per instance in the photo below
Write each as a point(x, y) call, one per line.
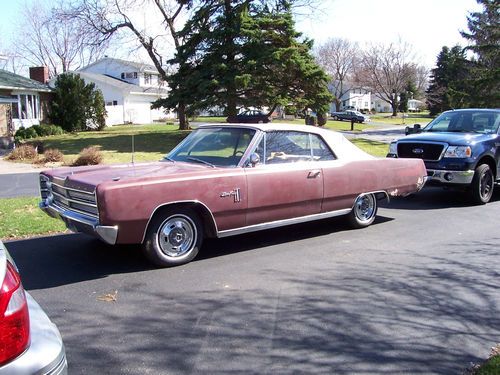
point(221, 147)
point(485, 122)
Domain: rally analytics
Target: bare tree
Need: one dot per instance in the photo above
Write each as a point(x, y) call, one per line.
point(338, 57)
point(112, 19)
point(46, 39)
point(386, 71)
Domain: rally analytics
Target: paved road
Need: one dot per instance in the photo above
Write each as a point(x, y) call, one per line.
point(19, 185)
point(415, 293)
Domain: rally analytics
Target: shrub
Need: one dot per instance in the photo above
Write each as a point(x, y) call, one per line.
point(47, 130)
point(76, 105)
point(23, 152)
point(88, 156)
point(52, 155)
point(37, 131)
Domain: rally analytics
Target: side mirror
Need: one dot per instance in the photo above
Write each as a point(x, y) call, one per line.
point(417, 128)
point(254, 159)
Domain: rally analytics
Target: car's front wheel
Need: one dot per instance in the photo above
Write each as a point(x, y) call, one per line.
point(482, 184)
point(174, 237)
point(364, 211)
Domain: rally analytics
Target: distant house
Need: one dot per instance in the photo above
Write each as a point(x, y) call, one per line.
point(128, 88)
point(354, 98)
point(23, 101)
point(415, 105)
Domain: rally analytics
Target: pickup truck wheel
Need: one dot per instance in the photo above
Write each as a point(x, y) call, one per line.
point(364, 211)
point(173, 237)
point(482, 184)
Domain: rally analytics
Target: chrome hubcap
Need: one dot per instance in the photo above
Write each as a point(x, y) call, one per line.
point(364, 208)
point(177, 236)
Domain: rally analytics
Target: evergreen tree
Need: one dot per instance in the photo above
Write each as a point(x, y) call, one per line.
point(448, 87)
point(77, 106)
point(245, 53)
point(484, 35)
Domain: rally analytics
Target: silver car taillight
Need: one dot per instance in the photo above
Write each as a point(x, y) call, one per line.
point(14, 316)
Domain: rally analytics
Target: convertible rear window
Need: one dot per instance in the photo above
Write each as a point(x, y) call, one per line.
point(291, 147)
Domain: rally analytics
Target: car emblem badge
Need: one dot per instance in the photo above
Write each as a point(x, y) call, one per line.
point(417, 151)
point(234, 193)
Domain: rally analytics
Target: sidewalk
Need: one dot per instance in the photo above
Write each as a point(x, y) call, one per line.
point(7, 167)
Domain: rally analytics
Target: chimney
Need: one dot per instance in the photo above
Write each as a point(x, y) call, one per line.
point(40, 74)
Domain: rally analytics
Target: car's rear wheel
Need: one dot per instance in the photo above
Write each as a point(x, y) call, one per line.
point(364, 211)
point(174, 237)
point(482, 184)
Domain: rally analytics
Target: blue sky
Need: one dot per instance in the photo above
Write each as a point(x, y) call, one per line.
point(425, 24)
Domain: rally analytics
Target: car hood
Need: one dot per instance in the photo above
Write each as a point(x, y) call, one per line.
point(450, 138)
point(87, 178)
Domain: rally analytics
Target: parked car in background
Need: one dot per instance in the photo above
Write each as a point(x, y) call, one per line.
point(350, 115)
point(29, 342)
point(460, 148)
point(225, 180)
point(251, 116)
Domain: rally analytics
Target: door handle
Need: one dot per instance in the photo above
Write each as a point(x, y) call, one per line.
point(314, 174)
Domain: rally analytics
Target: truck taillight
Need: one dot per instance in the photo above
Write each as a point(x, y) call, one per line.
point(14, 317)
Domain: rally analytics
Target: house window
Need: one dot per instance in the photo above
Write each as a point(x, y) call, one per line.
point(15, 110)
point(30, 107)
point(148, 78)
point(130, 75)
point(112, 103)
point(123, 75)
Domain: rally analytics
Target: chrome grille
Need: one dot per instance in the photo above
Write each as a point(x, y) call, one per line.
point(70, 199)
point(419, 150)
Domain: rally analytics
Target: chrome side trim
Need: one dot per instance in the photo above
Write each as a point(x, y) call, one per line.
point(178, 202)
point(281, 223)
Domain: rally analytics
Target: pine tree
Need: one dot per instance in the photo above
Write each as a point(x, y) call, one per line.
point(77, 106)
point(448, 87)
point(484, 35)
point(245, 53)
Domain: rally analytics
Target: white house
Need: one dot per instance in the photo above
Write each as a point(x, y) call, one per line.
point(354, 98)
point(415, 105)
point(128, 88)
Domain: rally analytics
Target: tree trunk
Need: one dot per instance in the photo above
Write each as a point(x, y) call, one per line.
point(183, 120)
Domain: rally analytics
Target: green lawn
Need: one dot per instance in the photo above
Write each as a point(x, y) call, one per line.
point(151, 142)
point(21, 217)
point(409, 119)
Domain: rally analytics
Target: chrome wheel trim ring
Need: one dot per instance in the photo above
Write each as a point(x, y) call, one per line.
point(364, 207)
point(177, 236)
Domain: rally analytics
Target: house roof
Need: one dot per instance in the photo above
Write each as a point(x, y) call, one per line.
point(122, 85)
point(12, 81)
point(140, 67)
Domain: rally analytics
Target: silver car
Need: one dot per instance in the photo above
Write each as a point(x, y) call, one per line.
point(29, 342)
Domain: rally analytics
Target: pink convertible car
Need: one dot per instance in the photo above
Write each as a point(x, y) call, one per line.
point(225, 180)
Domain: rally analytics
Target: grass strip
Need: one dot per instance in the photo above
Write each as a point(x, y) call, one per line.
point(21, 217)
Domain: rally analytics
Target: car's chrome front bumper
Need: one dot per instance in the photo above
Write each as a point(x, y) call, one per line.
point(81, 223)
point(450, 177)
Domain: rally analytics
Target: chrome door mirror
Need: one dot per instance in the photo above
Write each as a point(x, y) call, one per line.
point(254, 159)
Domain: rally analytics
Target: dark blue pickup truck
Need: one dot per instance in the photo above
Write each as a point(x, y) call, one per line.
point(460, 148)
